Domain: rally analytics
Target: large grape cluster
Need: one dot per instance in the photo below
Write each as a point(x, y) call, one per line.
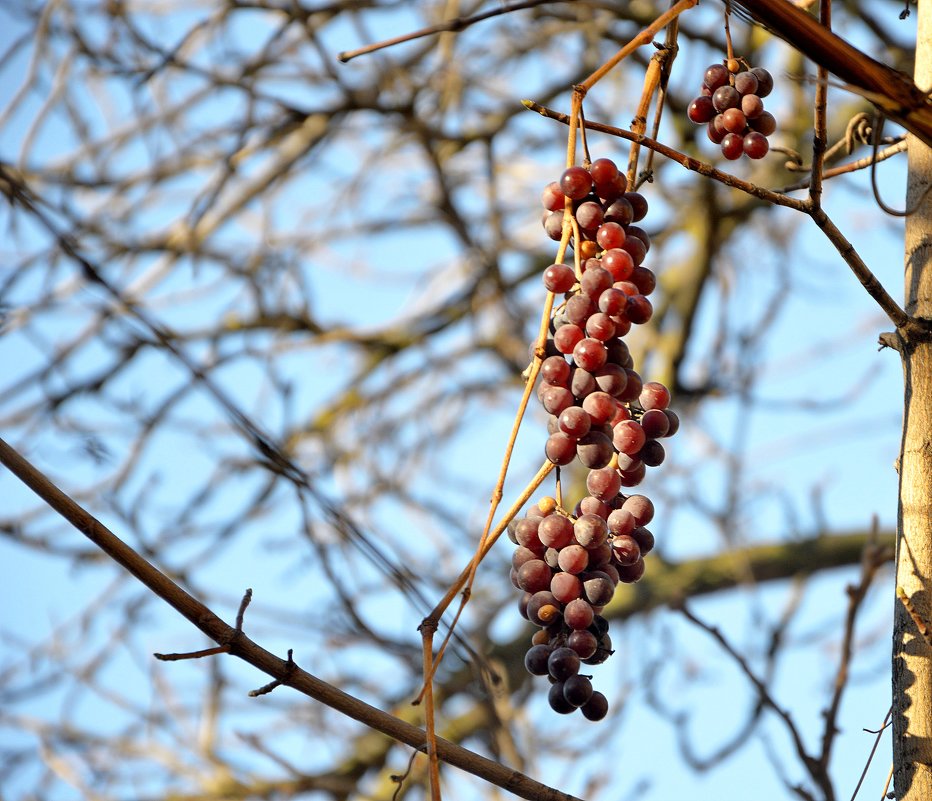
point(731, 102)
point(601, 412)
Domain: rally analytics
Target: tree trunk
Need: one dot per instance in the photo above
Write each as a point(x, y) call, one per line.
point(912, 655)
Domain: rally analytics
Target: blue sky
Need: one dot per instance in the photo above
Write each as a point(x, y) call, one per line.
point(803, 467)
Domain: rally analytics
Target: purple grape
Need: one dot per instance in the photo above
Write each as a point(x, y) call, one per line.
point(734, 121)
point(640, 507)
point(619, 262)
point(596, 708)
point(589, 215)
point(589, 354)
point(638, 205)
point(583, 643)
point(611, 379)
point(629, 574)
point(573, 559)
point(534, 576)
point(598, 588)
point(566, 587)
point(603, 483)
point(644, 279)
point(578, 615)
point(560, 449)
point(600, 406)
point(610, 235)
point(590, 532)
point(628, 437)
point(592, 506)
point(732, 146)
point(746, 83)
point(582, 383)
point(579, 308)
point(600, 326)
point(755, 145)
point(526, 534)
point(726, 97)
point(563, 663)
point(701, 110)
point(654, 395)
point(555, 531)
point(765, 124)
point(626, 550)
point(621, 521)
point(543, 609)
point(636, 248)
point(555, 370)
point(552, 197)
point(620, 211)
point(764, 81)
point(639, 309)
point(644, 538)
point(594, 450)
point(603, 171)
point(535, 660)
point(655, 423)
point(553, 224)
point(595, 282)
point(577, 690)
point(715, 76)
point(559, 278)
point(575, 183)
point(556, 399)
point(557, 700)
point(752, 106)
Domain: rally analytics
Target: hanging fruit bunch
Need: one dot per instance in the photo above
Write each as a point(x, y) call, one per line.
point(731, 103)
point(568, 561)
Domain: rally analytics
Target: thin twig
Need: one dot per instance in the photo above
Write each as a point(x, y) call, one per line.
point(765, 696)
point(820, 117)
point(265, 689)
point(217, 649)
point(870, 757)
point(897, 147)
point(871, 561)
point(433, 618)
point(682, 159)
point(451, 25)
point(400, 779)
point(643, 38)
point(665, 57)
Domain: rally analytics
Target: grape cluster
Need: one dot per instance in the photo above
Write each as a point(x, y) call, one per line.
point(731, 102)
point(603, 414)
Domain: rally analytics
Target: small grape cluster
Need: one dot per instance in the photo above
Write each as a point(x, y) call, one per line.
point(731, 102)
point(568, 567)
point(604, 415)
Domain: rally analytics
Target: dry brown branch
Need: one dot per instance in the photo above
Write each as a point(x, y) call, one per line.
point(240, 646)
point(893, 92)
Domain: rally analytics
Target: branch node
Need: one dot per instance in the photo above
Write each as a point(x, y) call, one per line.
point(265, 689)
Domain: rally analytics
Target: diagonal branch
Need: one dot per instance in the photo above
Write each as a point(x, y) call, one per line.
point(891, 91)
point(285, 672)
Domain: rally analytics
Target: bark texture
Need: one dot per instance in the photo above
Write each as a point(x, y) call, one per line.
point(912, 655)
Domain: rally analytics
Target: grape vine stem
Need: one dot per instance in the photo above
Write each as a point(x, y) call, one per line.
point(909, 328)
